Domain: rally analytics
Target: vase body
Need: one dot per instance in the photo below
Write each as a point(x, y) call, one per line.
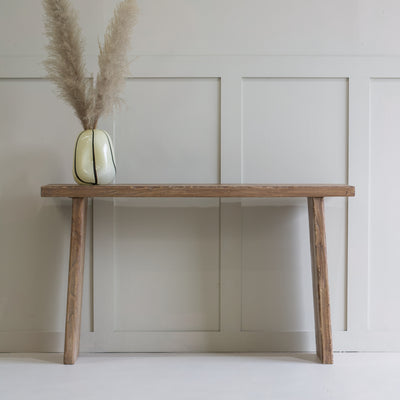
point(94, 162)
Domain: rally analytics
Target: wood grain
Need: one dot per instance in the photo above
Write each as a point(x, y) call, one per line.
point(319, 265)
point(75, 280)
point(218, 190)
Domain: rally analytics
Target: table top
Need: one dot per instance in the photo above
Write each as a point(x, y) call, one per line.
point(197, 190)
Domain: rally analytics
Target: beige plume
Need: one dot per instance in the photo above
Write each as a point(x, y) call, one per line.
point(113, 61)
point(65, 63)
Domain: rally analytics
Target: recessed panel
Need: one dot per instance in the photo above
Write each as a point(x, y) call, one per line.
point(167, 267)
point(276, 275)
point(294, 131)
point(168, 131)
point(37, 142)
point(384, 273)
point(167, 250)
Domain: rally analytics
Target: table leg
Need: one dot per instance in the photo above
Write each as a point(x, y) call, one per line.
point(75, 280)
point(323, 333)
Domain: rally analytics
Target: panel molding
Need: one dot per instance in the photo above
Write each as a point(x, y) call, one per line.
point(231, 70)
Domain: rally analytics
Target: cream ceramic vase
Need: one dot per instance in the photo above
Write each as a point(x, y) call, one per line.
point(94, 162)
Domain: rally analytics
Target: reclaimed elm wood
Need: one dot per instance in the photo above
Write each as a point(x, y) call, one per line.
point(217, 190)
point(319, 265)
point(314, 193)
point(75, 280)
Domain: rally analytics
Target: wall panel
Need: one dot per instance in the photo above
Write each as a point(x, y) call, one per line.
point(191, 275)
point(167, 251)
point(37, 144)
point(384, 296)
point(224, 27)
point(167, 267)
point(294, 131)
point(169, 131)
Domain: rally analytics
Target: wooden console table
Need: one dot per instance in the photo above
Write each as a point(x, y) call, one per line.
point(314, 193)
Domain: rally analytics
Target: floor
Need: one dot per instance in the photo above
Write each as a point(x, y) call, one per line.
point(110, 376)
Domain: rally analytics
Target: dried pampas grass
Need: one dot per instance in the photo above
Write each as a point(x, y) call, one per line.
point(113, 62)
point(65, 63)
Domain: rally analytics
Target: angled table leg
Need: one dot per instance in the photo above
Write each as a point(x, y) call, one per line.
point(323, 332)
point(75, 279)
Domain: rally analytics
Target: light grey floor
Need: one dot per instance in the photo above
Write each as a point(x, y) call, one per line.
point(356, 376)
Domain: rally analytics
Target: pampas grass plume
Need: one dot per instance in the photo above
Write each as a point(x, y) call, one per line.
point(113, 61)
point(65, 63)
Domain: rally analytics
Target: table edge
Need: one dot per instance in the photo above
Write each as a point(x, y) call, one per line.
point(198, 190)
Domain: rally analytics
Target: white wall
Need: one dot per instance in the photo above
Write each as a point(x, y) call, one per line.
point(222, 91)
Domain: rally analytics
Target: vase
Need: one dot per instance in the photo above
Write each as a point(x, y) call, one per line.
point(94, 162)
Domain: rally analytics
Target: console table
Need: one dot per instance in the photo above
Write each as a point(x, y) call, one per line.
point(314, 193)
